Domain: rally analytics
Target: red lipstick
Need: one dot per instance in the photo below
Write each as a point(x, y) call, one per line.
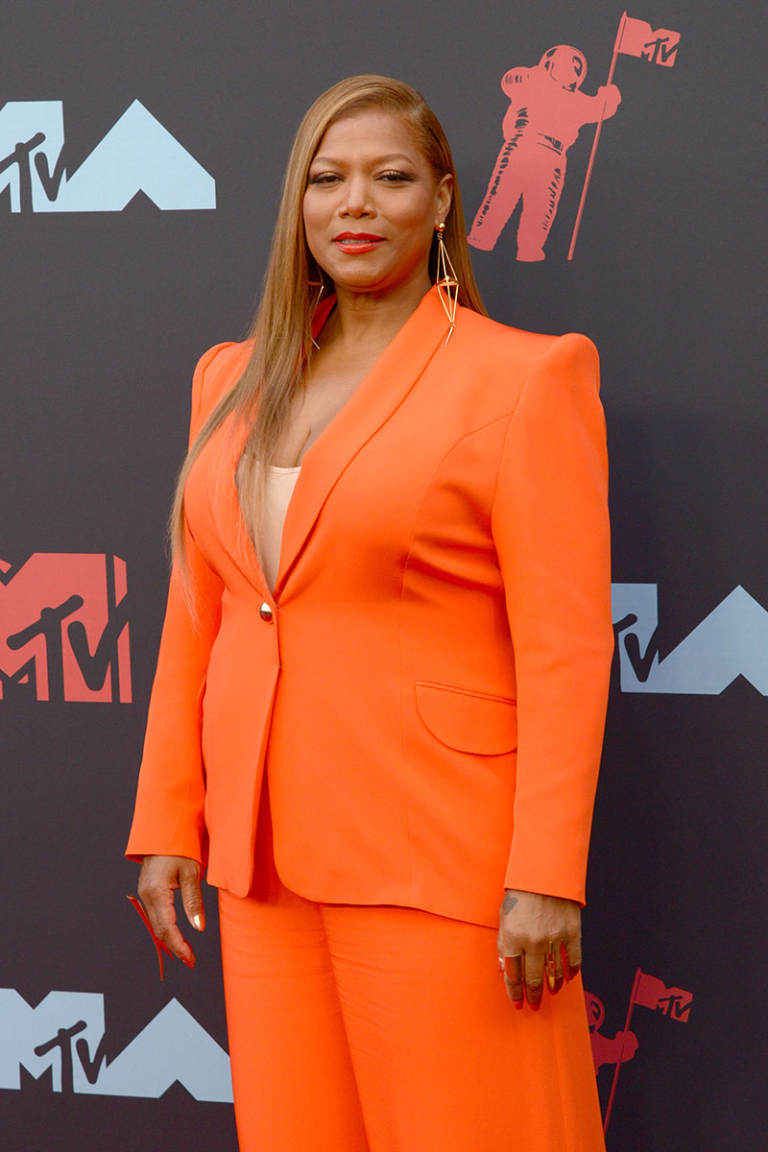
point(355, 243)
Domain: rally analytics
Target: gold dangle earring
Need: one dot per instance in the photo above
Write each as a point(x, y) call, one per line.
point(321, 285)
point(446, 281)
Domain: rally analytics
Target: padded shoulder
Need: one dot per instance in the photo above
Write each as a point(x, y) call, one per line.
point(573, 360)
point(217, 371)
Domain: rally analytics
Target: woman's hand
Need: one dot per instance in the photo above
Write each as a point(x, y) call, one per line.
point(159, 878)
point(528, 925)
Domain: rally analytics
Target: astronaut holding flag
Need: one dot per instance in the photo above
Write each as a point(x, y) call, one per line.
point(546, 112)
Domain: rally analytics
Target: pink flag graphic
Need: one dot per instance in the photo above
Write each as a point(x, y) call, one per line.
point(633, 38)
point(649, 992)
point(639, 39)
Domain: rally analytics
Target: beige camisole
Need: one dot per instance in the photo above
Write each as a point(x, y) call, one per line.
point(280, 484)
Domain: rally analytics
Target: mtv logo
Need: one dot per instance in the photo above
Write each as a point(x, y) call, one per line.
point(137, 155)
point(64, 629)
point(64, 1033)
point(731, 641)
point(659, 45)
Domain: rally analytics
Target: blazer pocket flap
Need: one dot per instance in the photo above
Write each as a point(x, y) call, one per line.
point(468, 721)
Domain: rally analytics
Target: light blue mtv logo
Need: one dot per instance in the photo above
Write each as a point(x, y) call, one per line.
point(137, 155)
point(65, 1035)
point(731, 641)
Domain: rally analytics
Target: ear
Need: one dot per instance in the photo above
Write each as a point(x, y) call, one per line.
point(444, 196)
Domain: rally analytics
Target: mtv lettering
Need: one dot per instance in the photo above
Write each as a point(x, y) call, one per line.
point(137, 155)
point(731, 641)
point(65, 1034)
point(64, 629)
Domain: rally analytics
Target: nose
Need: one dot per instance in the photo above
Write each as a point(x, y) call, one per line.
point(358, 200)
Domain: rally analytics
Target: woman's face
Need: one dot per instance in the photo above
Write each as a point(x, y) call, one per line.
point(372, 203)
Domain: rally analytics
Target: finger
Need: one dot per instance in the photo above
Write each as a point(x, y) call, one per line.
point(553, 967)
point(560, 957)
point(192, 897)
point(137, 904)
point(534, 977)
point(563, 968)
point(513, 979)
point(574, 956)
point(158, 900)
point(180, 948)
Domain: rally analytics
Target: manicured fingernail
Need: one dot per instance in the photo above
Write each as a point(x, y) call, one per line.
point(518, 1004)
point(198, 922)
point(535, 1007)
point(189, 963)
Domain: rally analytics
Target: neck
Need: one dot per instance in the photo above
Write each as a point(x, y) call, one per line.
point(365, 316)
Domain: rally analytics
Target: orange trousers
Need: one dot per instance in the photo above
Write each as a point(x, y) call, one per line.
point(383, 1029)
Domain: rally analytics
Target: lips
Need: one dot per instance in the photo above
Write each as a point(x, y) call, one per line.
point(355, 243)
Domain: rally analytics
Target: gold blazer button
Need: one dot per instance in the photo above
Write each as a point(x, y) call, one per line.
point(265, 611)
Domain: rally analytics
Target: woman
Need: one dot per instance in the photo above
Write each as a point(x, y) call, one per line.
point(334, 722)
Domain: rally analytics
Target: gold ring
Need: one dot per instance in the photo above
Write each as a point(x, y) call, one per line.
point(550, 967)
point(513, 968)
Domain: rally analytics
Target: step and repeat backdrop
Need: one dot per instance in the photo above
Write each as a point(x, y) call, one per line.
point(610, 169)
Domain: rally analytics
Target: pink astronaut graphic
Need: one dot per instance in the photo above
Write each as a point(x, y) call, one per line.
point(616, 1049)
point(547, 110)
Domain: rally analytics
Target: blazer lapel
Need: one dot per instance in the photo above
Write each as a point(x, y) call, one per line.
point(374, 400)
point(227, 513)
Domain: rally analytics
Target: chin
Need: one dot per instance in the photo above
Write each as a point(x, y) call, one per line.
point(361, 283)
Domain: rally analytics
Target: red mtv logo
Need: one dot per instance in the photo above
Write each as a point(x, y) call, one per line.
point(64, 629)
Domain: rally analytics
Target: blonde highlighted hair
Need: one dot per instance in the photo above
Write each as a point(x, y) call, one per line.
point(282, 328)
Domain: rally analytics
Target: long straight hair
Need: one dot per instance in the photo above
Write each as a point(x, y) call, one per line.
point(281, 331)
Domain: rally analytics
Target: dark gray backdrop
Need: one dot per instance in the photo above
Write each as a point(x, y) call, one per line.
point(104, 316)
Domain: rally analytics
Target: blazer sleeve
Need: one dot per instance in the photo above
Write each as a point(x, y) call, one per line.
point(168, 816)
point(550, 525)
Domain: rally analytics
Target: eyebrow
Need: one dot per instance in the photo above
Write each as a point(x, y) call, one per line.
point(378, 160)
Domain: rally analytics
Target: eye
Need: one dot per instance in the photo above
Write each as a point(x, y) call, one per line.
point(323, 178)
point(392, 176)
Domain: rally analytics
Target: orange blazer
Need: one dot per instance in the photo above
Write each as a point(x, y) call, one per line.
point(427, 684)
